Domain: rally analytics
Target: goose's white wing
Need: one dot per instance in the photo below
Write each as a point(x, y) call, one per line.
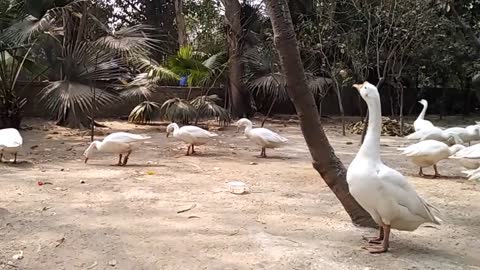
point(268, 135)
point(424, 148)
point(197, 132)
point(417, 135)
point(10, 137)
point(397, 187)
point(420, 124)
point(125, 137)
point(472, 152)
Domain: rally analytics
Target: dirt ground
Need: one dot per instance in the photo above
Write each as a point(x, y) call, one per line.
point(98, 216)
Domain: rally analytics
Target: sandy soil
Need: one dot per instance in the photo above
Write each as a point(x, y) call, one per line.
point(98, 216)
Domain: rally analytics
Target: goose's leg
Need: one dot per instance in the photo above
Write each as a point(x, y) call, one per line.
point(193, 149)
point(188, 150)
point(119, 160)
point(15, 159)
point(375, 240)
point(420, 173)
point(385, 243)
point(125, 159)
point(263, 154)
point(436, 171)
point(1, 157)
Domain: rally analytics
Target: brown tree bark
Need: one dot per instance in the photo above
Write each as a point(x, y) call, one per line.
point(240, 103)
point(324, 159)
point(180, 21)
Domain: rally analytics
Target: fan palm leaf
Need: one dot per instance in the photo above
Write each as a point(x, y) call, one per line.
point(70, 101)
point(178, 110)
point(207, 107)
point(144, 112)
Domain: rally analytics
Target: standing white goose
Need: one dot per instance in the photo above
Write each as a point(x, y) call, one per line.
point(261, 136)
point(382, 191)
point(121, 143)
point(190, 134)
point(421, 123)
point(10, 142)
point(429, 153)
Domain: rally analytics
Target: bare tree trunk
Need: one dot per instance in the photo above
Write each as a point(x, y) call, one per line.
point(269, 110)
point(239, 94)
point(324, 159)
point(180, 21)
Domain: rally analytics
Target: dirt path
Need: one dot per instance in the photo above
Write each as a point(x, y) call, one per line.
point(94, 215)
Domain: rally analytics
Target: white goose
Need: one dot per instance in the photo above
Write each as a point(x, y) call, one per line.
point(473, 174)
point(421, 123)
point(10, 142)
point(468, 157)
point(121, 143)
point(261, 136)
point(428, 153)
point(190, 134)
point(382, 191)
point(437, 134)
point(467, 134)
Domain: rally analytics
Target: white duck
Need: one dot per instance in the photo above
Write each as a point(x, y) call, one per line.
point(10, 142)
point(467, 134)
point(421, 123)
point(261, 136)
point(428, 153)
point(382, 191)
point(468, 157)
point(437, 134)
point(121, 143)
point(190, 134)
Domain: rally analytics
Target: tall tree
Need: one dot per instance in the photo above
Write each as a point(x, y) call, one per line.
point(324, 159)
point(240, 102)
point(181, 25)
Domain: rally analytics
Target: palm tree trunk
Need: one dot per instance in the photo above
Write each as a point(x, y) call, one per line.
point(239, 95)
point(324, 159)
point(180, 21)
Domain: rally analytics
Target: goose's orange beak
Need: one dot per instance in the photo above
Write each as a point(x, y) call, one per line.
point(358, 86)
point(168, 134)
point(86, 159)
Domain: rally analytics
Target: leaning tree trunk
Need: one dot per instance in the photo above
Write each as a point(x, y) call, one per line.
point(240, 103)
point(324, 159)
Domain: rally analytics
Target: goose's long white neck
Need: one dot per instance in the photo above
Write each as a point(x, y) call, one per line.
point(248, 127)
point(422, 113)
point(370, 148)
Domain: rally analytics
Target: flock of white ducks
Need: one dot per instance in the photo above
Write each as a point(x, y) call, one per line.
point(436, 144)
point(382, 191)
point(123, 143)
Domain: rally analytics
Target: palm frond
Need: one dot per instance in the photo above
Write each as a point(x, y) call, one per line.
point(177, 110)
point(71, 101)
point(133, 41)
point(207, 107)
point(319, 86)
point(144, 112)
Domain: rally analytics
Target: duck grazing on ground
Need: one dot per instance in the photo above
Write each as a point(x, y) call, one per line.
point(437, 134)
point(10, 142)
point(421, 123)
point(121, 143)
point(190, 134)
point(382, 191)
point(467, 134)
point(261, 136)
point(429, 153)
